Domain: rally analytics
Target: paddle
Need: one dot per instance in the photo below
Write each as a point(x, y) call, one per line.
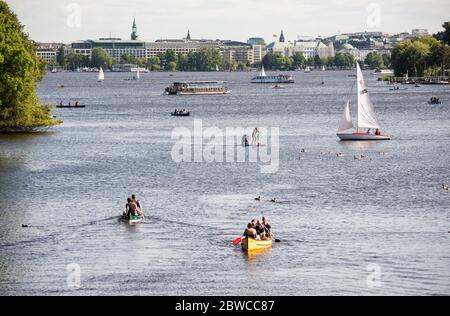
point(238, 240)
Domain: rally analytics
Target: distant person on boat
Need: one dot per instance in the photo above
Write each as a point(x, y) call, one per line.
point(250, 231)
point(69, 104)
point(378, 132)
point(61, 103)
point(245, 140)
point(267, 227)
point(255, 137)
point(260, 230)
point(130, 208)
point(76, 103)
point(138, 203)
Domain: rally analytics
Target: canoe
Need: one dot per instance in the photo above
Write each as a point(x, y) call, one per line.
point(180, 114)
point(133, 219)
point(70, 106)
point(249, 244)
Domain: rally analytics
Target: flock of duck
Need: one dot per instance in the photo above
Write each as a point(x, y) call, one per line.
point(338, 154)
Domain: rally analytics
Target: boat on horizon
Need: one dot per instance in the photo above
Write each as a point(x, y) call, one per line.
point(198, 88)
point(263, 78)
point(366, 115)
point(101, 75)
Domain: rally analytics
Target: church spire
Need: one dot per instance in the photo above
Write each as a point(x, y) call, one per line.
point(281, 37)
point(134, 35)
point(188, 37)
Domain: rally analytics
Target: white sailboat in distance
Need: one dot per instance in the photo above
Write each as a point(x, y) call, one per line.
point(101, 75)
point(366, 116)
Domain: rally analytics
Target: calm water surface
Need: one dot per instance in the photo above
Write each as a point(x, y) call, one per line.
point(338, 217)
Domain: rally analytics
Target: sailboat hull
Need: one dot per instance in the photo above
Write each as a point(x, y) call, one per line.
point(362, 136)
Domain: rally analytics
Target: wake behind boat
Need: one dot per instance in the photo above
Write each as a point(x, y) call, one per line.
point(366, 116)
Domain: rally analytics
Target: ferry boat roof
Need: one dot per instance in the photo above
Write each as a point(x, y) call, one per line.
point(198, 82)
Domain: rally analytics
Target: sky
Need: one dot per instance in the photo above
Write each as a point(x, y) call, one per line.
point(70, 20)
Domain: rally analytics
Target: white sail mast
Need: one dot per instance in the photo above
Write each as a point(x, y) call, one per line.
point(366, 114)
point(346, 121)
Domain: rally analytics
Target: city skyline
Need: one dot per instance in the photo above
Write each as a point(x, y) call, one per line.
point(223, 19)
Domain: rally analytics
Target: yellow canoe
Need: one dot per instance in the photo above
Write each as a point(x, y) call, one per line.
point(250, 244)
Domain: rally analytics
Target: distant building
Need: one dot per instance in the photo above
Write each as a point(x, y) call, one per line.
point(256, 41)
point(48, 52)
point(259, 51)
point(420, 32)
point(282, 40)
point(134, 35)
point(237, 51)
point(311, 49)
point(180, 46)
point(115, 47)
point(349, 49)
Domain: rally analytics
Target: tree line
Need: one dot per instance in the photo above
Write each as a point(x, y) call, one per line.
point(423, 56)
point(20, 70)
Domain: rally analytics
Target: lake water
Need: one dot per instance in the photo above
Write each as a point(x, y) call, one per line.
point(373, 226)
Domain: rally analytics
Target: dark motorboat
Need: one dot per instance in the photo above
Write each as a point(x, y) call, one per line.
point(180, 113)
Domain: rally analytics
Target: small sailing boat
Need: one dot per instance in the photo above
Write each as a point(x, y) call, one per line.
point(54, 70)
point(217, 67)
point(262, 73)
point(101, 75)
point(137, 77)
point(366, 115)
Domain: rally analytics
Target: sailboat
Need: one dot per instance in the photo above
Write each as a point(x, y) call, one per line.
point(137, 77)
point(263, 78)
point(366, 115)
point(101, 75)
point(217, 67)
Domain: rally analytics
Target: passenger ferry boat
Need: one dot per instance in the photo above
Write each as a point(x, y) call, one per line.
point(198, 88)
point(263, 78)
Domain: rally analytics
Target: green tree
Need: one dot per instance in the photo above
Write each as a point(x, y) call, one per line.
point(60, 57)
point(172, 66)
point(166, 58)
point(413, 56)
point(444, 36)
point(374, 61)
point(387, 60)
point(20, 70)
point(298, 61)
point(100, 58)
point(74, 61)
point(153, 64)
point(317, 61)
point(344, 60)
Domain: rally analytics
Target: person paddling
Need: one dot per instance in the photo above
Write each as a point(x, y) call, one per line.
point(138, 204)
point(130, 208)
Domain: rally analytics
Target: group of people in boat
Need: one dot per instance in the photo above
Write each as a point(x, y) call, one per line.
point(375, 131)
point(435, 100)
point(255, 138)
point(70, 104)
point(133, 207)
point(180, 112)
point(259, 229)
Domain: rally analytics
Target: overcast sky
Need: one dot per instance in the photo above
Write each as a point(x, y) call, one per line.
point(56, 20)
